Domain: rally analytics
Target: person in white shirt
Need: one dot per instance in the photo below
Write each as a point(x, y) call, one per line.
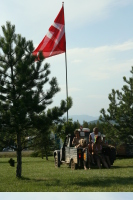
point(93, 135)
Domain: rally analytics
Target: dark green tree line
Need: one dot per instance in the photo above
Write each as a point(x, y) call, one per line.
point(118, 119)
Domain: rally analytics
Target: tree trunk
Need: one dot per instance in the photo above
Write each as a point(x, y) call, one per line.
point(19, 156)
point(19, 164)
point(46, 153)
point(42, 154)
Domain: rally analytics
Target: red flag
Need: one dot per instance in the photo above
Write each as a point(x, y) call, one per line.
point(54, 41)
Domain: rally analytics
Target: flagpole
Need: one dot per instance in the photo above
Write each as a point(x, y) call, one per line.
point(66, 85)
point(66, 71)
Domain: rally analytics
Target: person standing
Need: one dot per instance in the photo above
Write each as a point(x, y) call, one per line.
point(97, 152)
point(76, 139)
point(93, 135)
point(92, 139)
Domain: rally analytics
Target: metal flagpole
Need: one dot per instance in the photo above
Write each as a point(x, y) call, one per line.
point(66, 70)
point(66, 85)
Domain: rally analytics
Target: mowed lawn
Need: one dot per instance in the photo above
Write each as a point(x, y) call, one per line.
point(39, 175)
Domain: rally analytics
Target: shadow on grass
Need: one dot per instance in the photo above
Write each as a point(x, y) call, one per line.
point(121, 167)
point(106, 182)
point(24, 178)
point(85, 182)
point(124, 157)
point(4, 162)
point(32, 161)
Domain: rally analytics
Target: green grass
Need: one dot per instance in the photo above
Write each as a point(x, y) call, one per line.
point(39, 175)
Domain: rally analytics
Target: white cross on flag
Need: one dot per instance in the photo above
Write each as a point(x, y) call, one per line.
point(54, 41)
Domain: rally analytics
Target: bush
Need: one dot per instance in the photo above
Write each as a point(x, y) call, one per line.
point(11, 162)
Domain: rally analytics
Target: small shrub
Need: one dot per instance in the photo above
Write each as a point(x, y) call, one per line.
point(35, 154)
point(11, 162)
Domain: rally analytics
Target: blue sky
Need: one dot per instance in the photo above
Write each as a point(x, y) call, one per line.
point(66, 196)
point(99, 40)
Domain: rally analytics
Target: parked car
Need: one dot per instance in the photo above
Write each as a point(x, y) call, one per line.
point(8, 149)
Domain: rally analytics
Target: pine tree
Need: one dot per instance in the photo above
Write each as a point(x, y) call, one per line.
point(45, 122)
point(119, 119)
point(22, 95)
point(64, 128)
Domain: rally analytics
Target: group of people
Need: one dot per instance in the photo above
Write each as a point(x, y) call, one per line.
point(94, 148)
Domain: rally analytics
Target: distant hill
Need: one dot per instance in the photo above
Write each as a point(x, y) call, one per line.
point(94, 121)
point(82, 118)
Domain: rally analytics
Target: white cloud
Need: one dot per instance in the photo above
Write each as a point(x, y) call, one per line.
point(128, 45)
point(125, 46)
point(33, 16)
point(100, 62)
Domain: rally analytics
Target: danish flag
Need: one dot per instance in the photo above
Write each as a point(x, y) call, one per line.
point(54, 41)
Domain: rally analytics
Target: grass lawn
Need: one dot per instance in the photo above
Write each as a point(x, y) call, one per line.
point(39, 175)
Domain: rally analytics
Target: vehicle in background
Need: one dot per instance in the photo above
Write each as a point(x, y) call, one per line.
point(75, 157)
point(125, 150)
point(8, 149)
